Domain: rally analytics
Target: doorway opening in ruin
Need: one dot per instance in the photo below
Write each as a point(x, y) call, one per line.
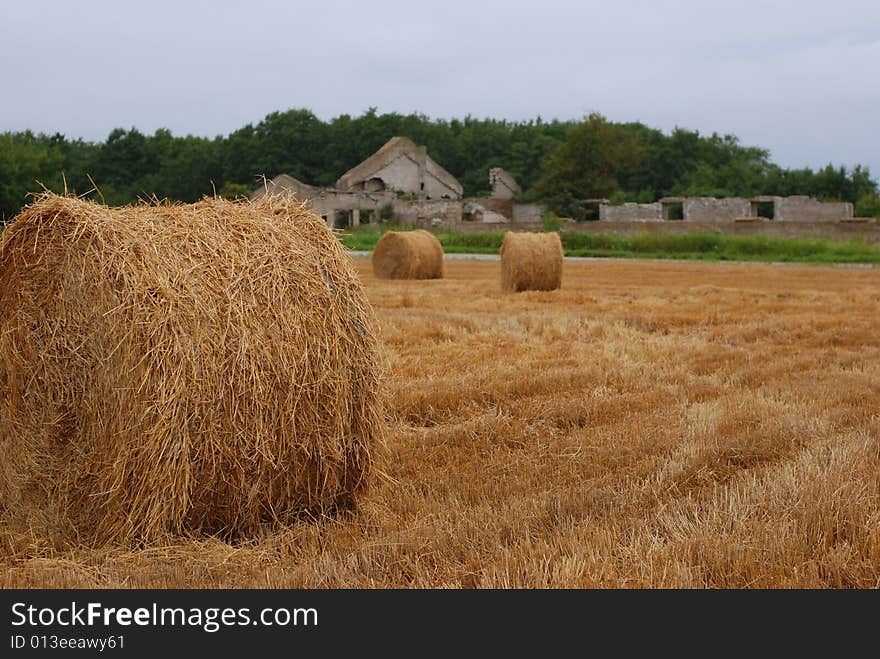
point(765, 209)
point(368, 216)
point(673, 210)
point(591, 211)
point(341, 219)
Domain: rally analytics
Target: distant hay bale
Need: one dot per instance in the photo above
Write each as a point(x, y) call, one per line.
point(531, 262)
point(408, 255)
point(180, 369)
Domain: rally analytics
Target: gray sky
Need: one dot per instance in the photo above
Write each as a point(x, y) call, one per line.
point(799, 78)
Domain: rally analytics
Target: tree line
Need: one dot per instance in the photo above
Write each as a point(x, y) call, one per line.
point(559, 163)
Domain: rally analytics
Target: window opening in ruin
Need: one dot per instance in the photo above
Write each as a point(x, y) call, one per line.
point(373, 185)
point(766, 209)
point(591, 211)
point(673, 211)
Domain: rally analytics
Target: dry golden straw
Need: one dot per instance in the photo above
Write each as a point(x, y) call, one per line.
point(180, 369)
point(663, 424)
point(408, 255)
point(531, 262)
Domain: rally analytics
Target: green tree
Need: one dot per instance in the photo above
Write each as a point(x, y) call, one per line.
point(868, 205)
point(234, 191)
point(559, 163)
point(26, 162)
point(586, 165)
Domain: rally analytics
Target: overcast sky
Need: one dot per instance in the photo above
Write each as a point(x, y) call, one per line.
point(799, 78)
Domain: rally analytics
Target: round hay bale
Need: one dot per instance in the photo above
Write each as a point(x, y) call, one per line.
point(408, 255)
point(180, 369)
point(531, 262)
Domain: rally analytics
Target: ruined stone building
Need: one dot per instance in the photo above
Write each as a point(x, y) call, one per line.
point(403, 184)
point(711, 209)
point(503, 184)
point(399, 180)
point(401, 166)
point(499, 207)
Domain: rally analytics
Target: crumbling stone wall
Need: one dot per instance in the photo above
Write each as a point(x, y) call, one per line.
point(710, 209)
point(869, 230)
point(807, 209)
point(528, 213)
point(423, 212)
point(631, 212)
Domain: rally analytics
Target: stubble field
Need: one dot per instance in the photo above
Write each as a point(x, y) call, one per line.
point(649, 425)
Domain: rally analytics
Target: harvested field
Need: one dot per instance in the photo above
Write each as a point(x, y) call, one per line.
point(648, 425)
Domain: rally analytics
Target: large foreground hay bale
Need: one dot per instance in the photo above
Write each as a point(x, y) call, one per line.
point(531, 262)
point(180, 369)
point(408, 255)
